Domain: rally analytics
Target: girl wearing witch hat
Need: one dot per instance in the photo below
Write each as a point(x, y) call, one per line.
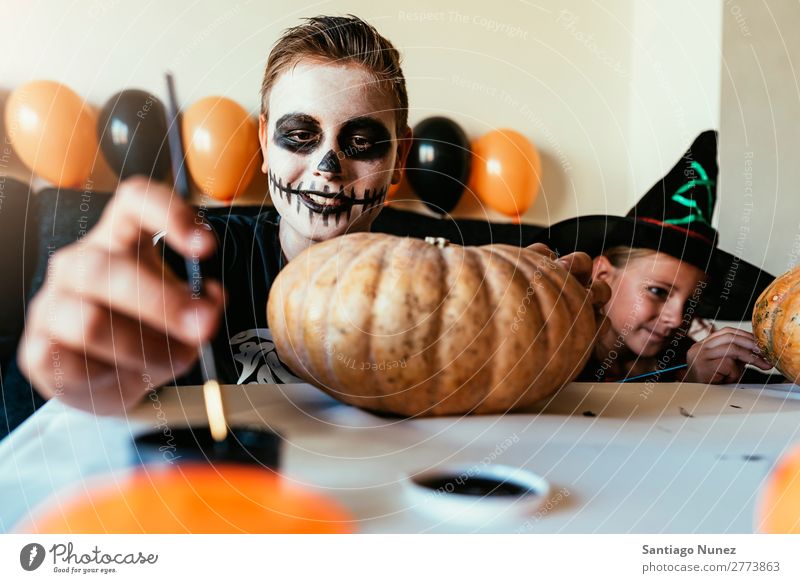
point(665, 270)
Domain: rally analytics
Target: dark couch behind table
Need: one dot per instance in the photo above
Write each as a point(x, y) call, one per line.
point(34, 226)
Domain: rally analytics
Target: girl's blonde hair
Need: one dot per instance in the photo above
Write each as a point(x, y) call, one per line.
point(621, 255)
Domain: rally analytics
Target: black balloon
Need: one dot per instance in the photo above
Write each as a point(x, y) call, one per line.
point(132, 130)
point(439, 163)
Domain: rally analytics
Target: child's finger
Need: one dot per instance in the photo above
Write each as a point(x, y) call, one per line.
point(141, 208)
point(543, 249)
point(601, 293)
point(729, 332)
point(757, 361)
point(579, 265)
point(735, 352)
point(730, 370)
point(728, 350)
point(728, 336)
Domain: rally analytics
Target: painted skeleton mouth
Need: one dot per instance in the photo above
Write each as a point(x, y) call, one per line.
point(326, 201)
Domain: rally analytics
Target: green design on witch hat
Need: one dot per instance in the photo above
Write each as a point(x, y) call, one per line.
point(685, 197)
point(697, 213)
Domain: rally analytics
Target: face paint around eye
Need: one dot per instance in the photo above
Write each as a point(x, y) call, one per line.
point(364, 138)
point(297, 133)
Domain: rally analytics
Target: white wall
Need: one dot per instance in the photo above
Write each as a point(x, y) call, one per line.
point(676, 48)
point(760, 177)
point(611, 93)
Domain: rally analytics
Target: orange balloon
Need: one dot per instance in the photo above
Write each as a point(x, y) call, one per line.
point(778, 510)
point(196, 498)
point(222, 149)
point(53, 131)
point(506, 171)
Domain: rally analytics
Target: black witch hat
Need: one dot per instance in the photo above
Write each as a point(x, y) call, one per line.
point(674, 217)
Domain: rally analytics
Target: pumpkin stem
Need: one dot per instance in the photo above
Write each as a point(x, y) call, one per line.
point(439, 242)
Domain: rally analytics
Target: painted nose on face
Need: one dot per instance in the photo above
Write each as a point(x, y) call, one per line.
point(330, 163)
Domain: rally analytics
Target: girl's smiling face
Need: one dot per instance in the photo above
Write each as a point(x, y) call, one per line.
point(648, 298)
point(330, 148)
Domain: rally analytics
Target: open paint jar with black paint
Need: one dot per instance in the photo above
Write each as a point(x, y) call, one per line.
point(242, 445)
point(476, 494)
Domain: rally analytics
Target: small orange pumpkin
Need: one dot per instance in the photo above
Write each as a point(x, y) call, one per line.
point(403, 326)
point(776, 324)
point(778, 508)
point(195, 498)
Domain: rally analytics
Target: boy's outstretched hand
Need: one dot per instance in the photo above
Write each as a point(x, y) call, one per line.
point(721, 357)
point(111, 320)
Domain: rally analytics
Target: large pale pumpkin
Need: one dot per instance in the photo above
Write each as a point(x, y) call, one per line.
point(405, 326)
point(776, 324)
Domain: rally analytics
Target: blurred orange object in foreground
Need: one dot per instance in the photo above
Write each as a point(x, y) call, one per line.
point(196, 498)
point(778, 510)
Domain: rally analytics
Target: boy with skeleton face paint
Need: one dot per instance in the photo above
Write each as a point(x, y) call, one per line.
point(333, 129)
point(334, 133)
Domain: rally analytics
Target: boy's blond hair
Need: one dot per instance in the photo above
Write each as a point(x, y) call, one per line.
point(341, 39)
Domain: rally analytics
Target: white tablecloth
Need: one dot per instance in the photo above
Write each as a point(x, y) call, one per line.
point(619, 457)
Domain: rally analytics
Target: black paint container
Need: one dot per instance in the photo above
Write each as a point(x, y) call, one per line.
point(243, 445)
